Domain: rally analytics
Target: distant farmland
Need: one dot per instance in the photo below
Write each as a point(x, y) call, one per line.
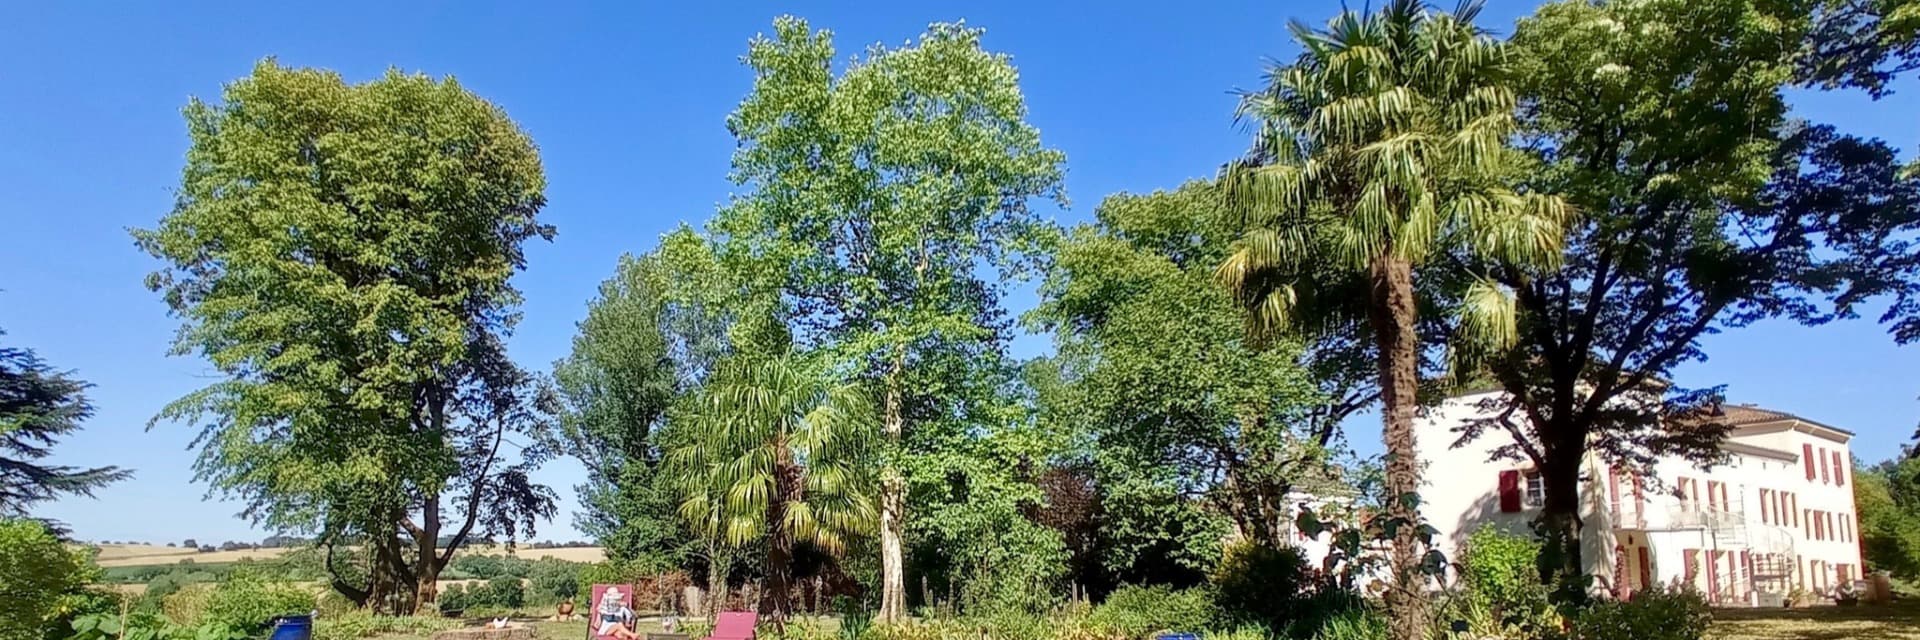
point(140, 555)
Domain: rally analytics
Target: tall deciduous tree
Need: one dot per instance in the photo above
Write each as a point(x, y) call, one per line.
point(1887, 496)
point(1165, 381)
point(775, 451)
point(340, 254)
point(649, 340)
point(1382, 149)
point(1702, 208)
point(38, 406)
point(882, 201)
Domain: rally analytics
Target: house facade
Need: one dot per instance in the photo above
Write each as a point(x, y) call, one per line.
point(1776, 516)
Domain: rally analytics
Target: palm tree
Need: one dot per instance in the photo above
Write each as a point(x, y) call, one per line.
point(1382, 148)
point(778, 452)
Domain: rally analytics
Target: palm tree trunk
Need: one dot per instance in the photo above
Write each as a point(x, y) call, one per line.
point(1394, 316)
point(893, 576)
point(776, 601)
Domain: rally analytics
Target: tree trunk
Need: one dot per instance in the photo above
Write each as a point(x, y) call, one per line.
point(893, 487)
point(1559, 561)
point(719, 564)
point(427, 561)
point(1393, 320)
point(776, 600)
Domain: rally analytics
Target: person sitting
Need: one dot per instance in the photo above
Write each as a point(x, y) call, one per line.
point(613, 617)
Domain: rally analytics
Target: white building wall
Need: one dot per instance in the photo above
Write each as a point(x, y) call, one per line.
point(1462, 495)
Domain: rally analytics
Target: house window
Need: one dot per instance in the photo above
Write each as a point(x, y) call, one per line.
point(1536, 494)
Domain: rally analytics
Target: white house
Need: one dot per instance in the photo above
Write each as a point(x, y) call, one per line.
point(1777, 515)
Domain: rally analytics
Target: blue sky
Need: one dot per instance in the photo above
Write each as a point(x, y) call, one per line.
point(627, 102)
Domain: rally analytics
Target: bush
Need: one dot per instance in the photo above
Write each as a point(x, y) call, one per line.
point(1138, 612)
point(249, 603)
point(454, 599)
point(1652, 614)
point(44, 581)
point(555, 580)
point(504, 591)
point(1500, 571)
point(1256, 584)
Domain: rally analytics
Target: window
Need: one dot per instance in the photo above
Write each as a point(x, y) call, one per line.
point(1536, 495)
point(1839, 470)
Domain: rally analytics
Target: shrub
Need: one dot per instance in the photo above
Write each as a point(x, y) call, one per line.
point(1138, 612)
point(454, 599)
point(1652, 614)
point(249, 603)
point(555, 580)
point(503, 591)
point(1260, 585)
point(186, 605)
point(43, 579)
point(1500, 571)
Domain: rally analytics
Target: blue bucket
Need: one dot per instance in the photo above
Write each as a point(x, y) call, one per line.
point(293, 628)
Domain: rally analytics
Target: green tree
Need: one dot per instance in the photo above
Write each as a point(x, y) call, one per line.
point(1887, 497)
point(1382, 148)
point(1703, 208)
point(650, 339)
point(1178, 402)
point(884, 201)
point(777, 452)
point(38, 406)
point(41, 580)
point(340, 253)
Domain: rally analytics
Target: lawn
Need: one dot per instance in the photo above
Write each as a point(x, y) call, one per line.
point(1900, 620)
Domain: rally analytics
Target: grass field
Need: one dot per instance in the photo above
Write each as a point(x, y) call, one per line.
point(1898, 621)
point(139, 555)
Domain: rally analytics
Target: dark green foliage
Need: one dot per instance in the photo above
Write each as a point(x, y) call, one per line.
point(1139, 612)
point(503, 591)
point(657, 327)
point(1261, 584)
point(554, 580)
point(1652, 614)
point(1275, 588)
point(38, 406)
point(455, 598)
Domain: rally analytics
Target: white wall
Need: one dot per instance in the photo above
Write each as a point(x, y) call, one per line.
point(1462, 486)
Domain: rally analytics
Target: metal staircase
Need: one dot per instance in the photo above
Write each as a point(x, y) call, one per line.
point(1769, 550)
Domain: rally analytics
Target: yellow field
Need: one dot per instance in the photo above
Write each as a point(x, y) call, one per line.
point(137, 555)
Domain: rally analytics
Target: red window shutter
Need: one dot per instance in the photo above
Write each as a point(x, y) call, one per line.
point(1713, 575)
point(1646, 568)
point(1713, 494)
point(1509, 491)
point(1823, 466)
point(1839, 470)
point(1806, 454)
point(1613, 486)
point(1764, 497)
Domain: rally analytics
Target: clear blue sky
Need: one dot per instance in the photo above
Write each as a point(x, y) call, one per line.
point(627, 102)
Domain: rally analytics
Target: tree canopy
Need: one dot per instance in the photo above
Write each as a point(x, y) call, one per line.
point(341, 254)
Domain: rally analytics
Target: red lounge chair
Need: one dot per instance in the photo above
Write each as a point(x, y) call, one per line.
point(734, 625)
